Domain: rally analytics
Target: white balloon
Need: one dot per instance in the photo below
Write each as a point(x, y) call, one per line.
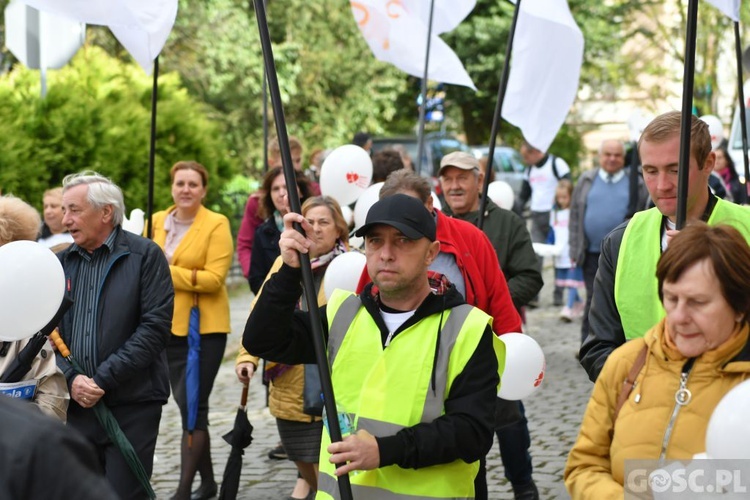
point(546, 250)
point(502, 194)
point(135, 223)
point(346, 173)
point(348, 214)
point(365, 201)
point(32, 285)
point(715, 128)
point(343, 272)
point(524, 367)
point(436, 202)
point(728, 435)
point(356, 242)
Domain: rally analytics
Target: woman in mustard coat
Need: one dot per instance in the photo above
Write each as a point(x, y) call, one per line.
point(198, 245)
point(299, 431)
point(691, 359)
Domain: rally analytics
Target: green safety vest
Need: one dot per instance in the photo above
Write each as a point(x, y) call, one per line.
point(636, 286)
point(384, 390)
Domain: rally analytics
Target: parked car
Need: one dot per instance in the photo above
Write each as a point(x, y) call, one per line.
point(735, 135)
point(436, 145)
point(507, 165)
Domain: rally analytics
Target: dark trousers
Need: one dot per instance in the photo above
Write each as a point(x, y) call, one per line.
point(514, 441)
point(211, 355)
point(140, 424)
point(590, 266)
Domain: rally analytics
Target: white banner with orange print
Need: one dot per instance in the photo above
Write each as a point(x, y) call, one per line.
point(396, 31)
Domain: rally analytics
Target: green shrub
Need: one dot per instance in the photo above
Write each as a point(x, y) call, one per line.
point(97, 116)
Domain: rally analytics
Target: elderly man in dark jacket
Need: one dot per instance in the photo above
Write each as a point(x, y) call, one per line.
point(118, 327)
point(461, 182)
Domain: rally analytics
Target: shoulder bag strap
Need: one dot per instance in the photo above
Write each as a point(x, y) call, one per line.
point(629, 383)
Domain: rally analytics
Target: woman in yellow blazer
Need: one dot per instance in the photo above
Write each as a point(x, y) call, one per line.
point(299, 431)
point(198, 245)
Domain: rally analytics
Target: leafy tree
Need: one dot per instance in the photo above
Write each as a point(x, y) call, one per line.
point(330, 84)
point(96, 115)
point(656, 48)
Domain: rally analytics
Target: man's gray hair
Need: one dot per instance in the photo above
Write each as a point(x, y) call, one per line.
point(102, 192)
point(619, 142)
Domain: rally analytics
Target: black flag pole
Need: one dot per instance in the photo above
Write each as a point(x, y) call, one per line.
point(743, 112)
point(423, 92)
point(265, 121)
point(687, 113)
point(496, 117)
point(152, 150)
point(265, 117)
point(307, 276)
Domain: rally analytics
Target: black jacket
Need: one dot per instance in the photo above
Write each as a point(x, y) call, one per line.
point(512, 242)
point(277, 332)
point(605, 327)
point(136, 302)
point(40, 458)
point(264, 253)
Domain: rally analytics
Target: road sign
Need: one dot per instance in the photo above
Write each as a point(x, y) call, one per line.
point(41, 40)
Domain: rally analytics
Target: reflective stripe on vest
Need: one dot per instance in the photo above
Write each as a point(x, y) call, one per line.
point(387, 399)
point(433, 407)
point(636, 286)
point(340, 324)
point(327, 483)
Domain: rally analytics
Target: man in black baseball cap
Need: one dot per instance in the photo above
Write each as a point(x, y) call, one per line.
point(400, 244)
point(407, 340)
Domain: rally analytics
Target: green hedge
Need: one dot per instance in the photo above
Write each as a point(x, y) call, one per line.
point(96, 115)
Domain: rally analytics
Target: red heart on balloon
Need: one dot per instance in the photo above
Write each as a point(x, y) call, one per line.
point(540, 377)
point(352, 177)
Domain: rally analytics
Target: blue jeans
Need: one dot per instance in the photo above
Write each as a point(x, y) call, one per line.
point(514, 441)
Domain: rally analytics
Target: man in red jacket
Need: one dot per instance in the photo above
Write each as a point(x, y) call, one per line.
point(466, 256)
point(469, 261)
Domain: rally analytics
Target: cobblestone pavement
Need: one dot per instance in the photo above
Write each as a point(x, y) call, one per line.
point(554, 415)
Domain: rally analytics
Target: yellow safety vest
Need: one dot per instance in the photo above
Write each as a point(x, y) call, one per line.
point(386, 390)
point(636, 286)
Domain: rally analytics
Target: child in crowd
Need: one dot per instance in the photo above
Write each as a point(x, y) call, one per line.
point(567, 274)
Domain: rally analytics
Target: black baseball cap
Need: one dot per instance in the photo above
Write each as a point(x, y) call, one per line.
point(405, 213)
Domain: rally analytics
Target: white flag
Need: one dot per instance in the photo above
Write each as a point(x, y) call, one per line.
point(398, 36)
point(141, 26)
point(545, 68)
point(447, 15)
point(729, 7)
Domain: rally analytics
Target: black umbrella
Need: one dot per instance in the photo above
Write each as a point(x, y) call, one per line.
point(20, 366)
point(238, 438)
